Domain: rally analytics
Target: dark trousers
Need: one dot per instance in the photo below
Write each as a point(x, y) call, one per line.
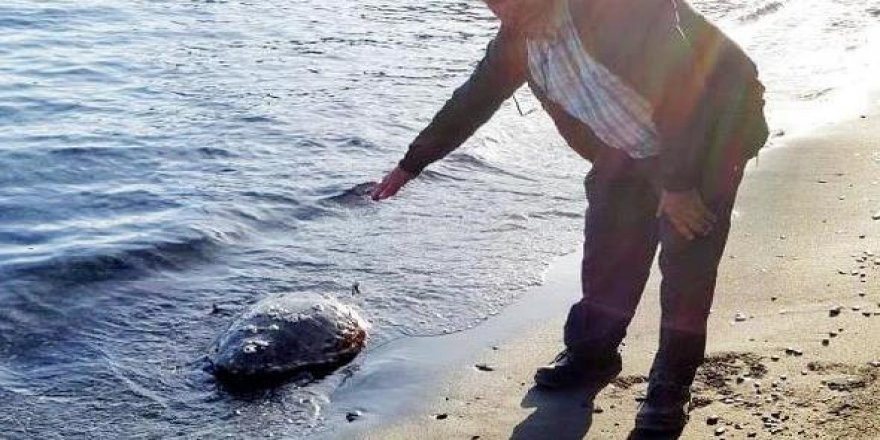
point(621, 237)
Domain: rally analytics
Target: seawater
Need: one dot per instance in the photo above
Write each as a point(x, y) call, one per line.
point(162, 160)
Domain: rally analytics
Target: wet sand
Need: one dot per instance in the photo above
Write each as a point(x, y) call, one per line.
point(792, 332)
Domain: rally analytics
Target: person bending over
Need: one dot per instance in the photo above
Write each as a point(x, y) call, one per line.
point(668, 110)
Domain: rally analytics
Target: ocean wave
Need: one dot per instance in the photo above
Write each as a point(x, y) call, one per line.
point(761, 11)
point(815, 94)
point(28, 109)
point(214, 152)
point(355, 143)
point(279, 197)
point(556, 213)
point(259, 119)
point(113, 261)
point(86, 150)
point(71, 72)
point(17, 23)
point(469, 161)
point(432, 174)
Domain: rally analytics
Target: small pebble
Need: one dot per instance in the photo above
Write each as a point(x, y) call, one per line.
point(484, 367)
point(442, 416)
point(825, 342)
point(352, 416)
point(712, 420)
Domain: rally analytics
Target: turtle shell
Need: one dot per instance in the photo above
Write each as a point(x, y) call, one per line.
point(287, 333)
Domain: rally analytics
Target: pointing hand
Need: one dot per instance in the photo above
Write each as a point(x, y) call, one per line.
point(391, 184)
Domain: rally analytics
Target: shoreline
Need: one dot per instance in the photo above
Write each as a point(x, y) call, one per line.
point(407, 373)
point(802, 223)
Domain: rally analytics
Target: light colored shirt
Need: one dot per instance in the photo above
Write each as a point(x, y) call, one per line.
point(588, 91)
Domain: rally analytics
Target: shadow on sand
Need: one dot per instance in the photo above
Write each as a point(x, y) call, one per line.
point(563, 415)
point(567, 415)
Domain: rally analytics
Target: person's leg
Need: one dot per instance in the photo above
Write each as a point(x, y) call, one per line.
point(689, 270)
point(689, 273)
point(620, 241)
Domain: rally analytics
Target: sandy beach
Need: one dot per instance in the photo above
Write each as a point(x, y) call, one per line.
point(792, 346)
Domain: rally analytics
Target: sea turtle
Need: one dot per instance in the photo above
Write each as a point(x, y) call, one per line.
point(287, 334)
point(358, 195)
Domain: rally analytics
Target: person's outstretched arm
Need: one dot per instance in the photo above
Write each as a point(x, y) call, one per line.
point(502, 71)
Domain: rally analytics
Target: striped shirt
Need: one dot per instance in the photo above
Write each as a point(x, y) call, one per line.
point(587, 90)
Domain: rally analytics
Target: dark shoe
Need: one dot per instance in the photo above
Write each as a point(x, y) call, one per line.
point(642, 434)
point(664, 413)
point(569, 371)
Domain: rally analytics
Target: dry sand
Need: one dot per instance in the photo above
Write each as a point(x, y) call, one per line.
point(803, 242)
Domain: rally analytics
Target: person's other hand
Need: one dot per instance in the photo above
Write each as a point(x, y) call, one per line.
point(391, 184)
point(687, 212)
